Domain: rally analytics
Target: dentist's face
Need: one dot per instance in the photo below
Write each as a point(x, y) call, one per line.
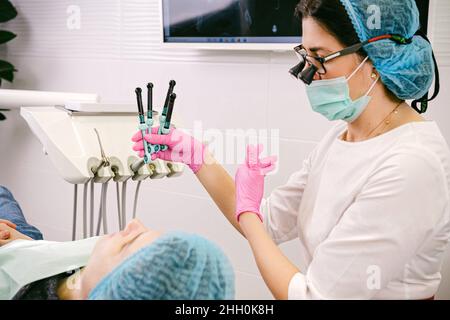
point(320, 42)
point(111, 250)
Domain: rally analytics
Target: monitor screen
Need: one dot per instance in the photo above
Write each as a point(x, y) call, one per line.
point(230, 21)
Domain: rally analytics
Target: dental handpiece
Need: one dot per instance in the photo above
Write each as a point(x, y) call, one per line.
point(162, 118)
point(165, 127)
point(142, 124)
point(153, 148)
point(172, 85)
point(139, 104)
point(150, 104)
point(172, 98)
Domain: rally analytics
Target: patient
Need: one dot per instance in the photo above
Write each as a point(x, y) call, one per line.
point(136, 263)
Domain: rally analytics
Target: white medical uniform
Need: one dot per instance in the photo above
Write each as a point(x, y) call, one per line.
point(372, 217)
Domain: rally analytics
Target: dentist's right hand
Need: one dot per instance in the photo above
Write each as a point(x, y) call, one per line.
point(181, 147)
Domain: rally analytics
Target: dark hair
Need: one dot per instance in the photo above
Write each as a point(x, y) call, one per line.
point(332, 16)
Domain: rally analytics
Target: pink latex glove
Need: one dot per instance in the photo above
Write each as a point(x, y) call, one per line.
point(249, 181)
point(181, 147)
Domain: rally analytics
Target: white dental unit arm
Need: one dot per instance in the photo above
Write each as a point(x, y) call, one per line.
point(90, 142)
point(74, 135)
point(70, 140)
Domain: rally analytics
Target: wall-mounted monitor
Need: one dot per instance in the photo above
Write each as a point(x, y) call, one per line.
point(231, 24)
point(237, 24)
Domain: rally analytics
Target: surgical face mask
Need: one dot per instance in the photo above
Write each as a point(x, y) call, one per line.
point(331, 98)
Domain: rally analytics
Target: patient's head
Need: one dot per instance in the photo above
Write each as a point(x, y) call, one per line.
point(113, 249)
point(172, 266)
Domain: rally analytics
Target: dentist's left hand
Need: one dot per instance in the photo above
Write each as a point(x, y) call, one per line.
point(249, 181)
point(181, 147)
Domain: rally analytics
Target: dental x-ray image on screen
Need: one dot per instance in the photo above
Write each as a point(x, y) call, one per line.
point(238, 21)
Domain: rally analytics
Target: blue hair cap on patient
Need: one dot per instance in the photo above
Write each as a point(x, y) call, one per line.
point(176, 266)
point(407, 70)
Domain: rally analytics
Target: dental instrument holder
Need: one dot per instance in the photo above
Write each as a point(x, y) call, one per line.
point(164, 127)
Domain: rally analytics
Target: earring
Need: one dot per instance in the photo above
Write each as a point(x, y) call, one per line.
point(373, 75)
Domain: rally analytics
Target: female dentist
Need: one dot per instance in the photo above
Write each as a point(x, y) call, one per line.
point(370, 205)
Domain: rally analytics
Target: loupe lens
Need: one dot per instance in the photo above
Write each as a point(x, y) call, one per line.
point(295, 71)
point(307, 75)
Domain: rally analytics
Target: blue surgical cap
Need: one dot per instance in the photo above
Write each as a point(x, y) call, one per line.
point(407, 70)
point(176, 266)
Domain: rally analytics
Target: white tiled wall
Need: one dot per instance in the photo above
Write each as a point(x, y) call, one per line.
point(116, 50)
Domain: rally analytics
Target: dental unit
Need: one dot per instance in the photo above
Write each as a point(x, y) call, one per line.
point(91, 145)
